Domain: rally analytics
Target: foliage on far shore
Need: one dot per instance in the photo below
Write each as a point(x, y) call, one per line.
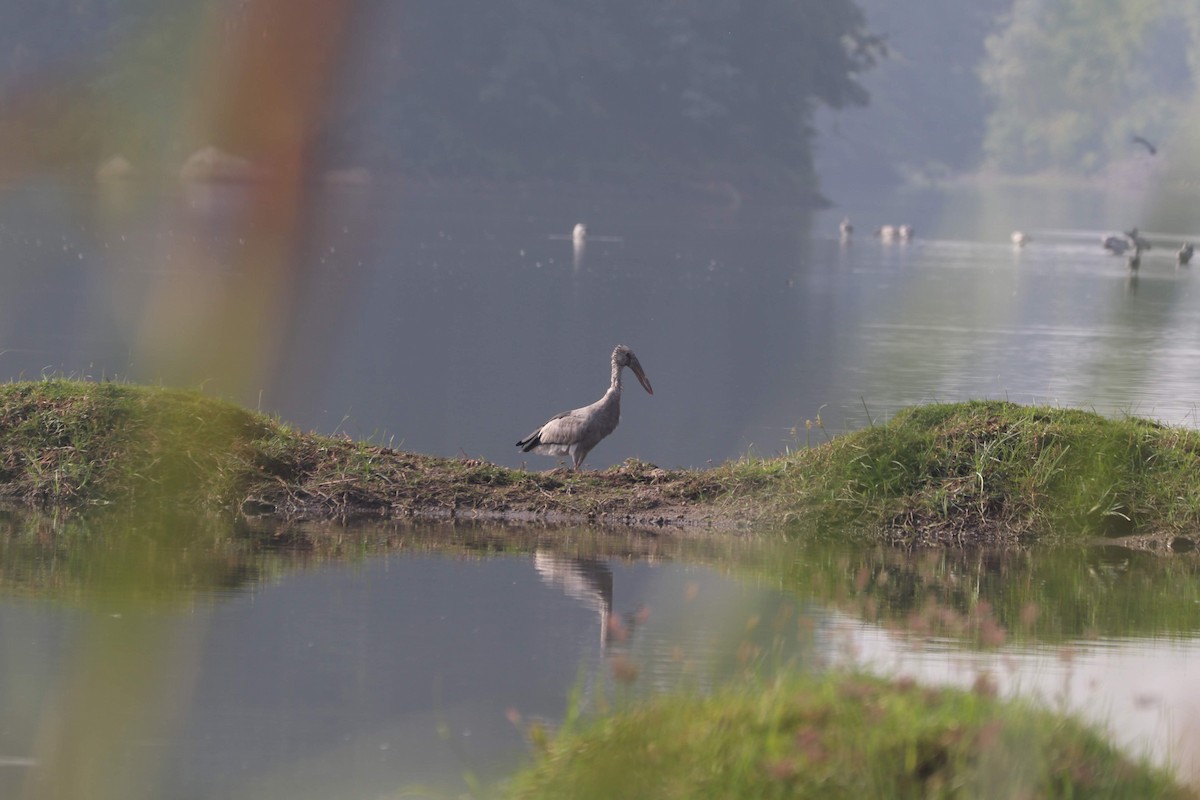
point(649, 92)
point(834, 736)
point(969, 473)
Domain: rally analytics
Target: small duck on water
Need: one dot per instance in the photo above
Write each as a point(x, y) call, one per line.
point(1184, 256)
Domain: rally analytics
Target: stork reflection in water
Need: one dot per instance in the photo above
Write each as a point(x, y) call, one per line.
point(590, 580)
point(575, 433)
point(587, 579)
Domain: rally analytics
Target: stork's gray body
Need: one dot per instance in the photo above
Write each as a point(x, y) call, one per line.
point(575, 433)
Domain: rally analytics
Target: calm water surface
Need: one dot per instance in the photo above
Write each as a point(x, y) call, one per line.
point(231, 671)
point(227, 672)
point(454, 324)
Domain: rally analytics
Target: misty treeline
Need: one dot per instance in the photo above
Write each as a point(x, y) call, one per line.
point(1073, 81)
point(581, 90)
point(690, 91)
point(603, 91)
point(1019, 87)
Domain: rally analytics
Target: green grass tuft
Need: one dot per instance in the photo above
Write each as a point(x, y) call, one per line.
point(838, 736)
point(996, 471)
point(70, 442)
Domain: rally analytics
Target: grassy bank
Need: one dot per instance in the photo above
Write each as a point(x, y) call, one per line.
point(844, 736)
point(73, 444)
point(996, 471)
point(978, 472)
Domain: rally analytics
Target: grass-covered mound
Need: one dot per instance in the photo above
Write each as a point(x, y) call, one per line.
point(955, 473)
point(984, 470)
point(835, 737)
point(74, 443)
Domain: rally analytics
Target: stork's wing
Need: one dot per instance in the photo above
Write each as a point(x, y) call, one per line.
point(562, 429)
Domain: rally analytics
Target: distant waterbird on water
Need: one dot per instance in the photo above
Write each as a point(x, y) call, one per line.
point(895, 233)
point(1117, 245)
point(845, 229)
point(1139, 242)
point(1020, 238)
point(575, 433)
point(578, 244)
point(581, 234)
point(1184, 256)
point(1127, 240)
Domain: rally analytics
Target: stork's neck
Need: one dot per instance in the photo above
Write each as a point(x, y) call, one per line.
point(615, 385)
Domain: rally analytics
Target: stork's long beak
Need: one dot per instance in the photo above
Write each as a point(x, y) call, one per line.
point(641, 376)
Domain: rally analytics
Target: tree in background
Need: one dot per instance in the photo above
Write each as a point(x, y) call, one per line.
point(577, 90)
point(926, 116)
point(1074, 81)
point(581, 90)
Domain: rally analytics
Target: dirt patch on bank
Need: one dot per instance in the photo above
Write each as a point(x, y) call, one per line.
point(398, 485)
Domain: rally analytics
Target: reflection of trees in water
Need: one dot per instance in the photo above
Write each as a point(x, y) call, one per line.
point(1043, 593)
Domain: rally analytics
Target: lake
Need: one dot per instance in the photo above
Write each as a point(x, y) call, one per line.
point(191, 658)
point(453, 323)
point(206, 658)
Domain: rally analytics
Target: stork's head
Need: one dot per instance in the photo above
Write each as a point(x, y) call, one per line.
point(623, 357)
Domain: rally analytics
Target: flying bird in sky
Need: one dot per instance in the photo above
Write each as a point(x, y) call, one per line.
point(1151, 149)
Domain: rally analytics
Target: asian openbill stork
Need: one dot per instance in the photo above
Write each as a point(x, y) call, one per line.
point(575, 433)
